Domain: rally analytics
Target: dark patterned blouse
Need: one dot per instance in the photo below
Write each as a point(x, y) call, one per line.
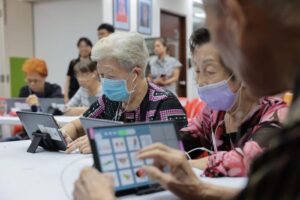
point(158, 104)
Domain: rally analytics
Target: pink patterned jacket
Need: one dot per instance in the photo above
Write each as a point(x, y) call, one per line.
point(270, 113)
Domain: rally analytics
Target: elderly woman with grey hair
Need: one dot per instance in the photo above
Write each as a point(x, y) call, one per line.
point(127, 96)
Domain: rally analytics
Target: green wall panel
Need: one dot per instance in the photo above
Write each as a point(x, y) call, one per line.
point(16, 75)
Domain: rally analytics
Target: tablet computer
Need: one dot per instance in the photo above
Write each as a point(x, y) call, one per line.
point(49, 104)
point(92, 122)
point(17, 104)
point(114, 150)
point(43, 123)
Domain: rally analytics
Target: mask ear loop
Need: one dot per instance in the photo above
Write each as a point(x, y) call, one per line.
point(134, 86)
point(118, 114)
point(230, 77)
point(131, 92)
point(239, 98)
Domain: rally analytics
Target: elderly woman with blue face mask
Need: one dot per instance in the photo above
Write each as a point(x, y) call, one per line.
point(230, 117)
point(127, 96)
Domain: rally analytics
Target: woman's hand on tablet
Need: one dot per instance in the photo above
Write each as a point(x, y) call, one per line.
point(93, 185)
point(181, 179)
point(82, 144)
point(68, 139)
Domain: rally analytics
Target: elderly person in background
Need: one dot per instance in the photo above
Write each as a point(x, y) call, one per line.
point(36, 73)
point(127, 96)
point(88, 79)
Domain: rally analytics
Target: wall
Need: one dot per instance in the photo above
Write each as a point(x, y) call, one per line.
point(18, 33)
point(108, 15)
point(185, 8)
point(182, 7)
point(55, 42)
point(57, 27)
point(2, 53)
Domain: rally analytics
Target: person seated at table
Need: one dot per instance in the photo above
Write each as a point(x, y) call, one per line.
point(88, 79)
point(36, 86)
point(127, 96)
point(230, 113)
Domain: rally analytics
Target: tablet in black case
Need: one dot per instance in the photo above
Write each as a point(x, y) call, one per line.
point(115, 147)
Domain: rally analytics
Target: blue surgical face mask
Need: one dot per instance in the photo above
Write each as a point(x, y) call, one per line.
point(218, 96)
point(115, 90)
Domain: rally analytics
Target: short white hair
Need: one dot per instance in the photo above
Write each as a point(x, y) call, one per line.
point(127, 48)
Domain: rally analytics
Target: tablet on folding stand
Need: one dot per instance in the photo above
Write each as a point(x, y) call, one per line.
point(43, 131)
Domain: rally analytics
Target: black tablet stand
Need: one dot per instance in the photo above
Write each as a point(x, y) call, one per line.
point(41, 139)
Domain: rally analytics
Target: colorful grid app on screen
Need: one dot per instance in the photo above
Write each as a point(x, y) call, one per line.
point(117, 148)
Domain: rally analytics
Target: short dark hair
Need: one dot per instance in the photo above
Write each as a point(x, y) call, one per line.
point(110, 28)
point(85, 67)
point(199, 37)
point(163, 41)
point(87, 41)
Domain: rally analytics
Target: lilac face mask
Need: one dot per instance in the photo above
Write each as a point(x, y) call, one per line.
point(218, 96)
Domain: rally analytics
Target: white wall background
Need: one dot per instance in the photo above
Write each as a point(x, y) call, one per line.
point(2, 52)
point(57, 27)
point(59, 24)
point(18, 34)
point(108, 15)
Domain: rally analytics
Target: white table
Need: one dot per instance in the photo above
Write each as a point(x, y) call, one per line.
point(8, 120)
point(51, 175)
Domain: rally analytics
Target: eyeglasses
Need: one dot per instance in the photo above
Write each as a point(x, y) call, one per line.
point(83, 75)
point(32, 81)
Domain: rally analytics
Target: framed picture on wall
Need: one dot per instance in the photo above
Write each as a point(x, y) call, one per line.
point(121, 14)
point(144, 20)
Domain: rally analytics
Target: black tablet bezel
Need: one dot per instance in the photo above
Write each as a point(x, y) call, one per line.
point(96, 156)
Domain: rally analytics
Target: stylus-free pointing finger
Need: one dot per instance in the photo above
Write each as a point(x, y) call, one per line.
point(72, 147)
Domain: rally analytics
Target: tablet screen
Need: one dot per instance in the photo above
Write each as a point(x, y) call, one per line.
point(117, 147)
